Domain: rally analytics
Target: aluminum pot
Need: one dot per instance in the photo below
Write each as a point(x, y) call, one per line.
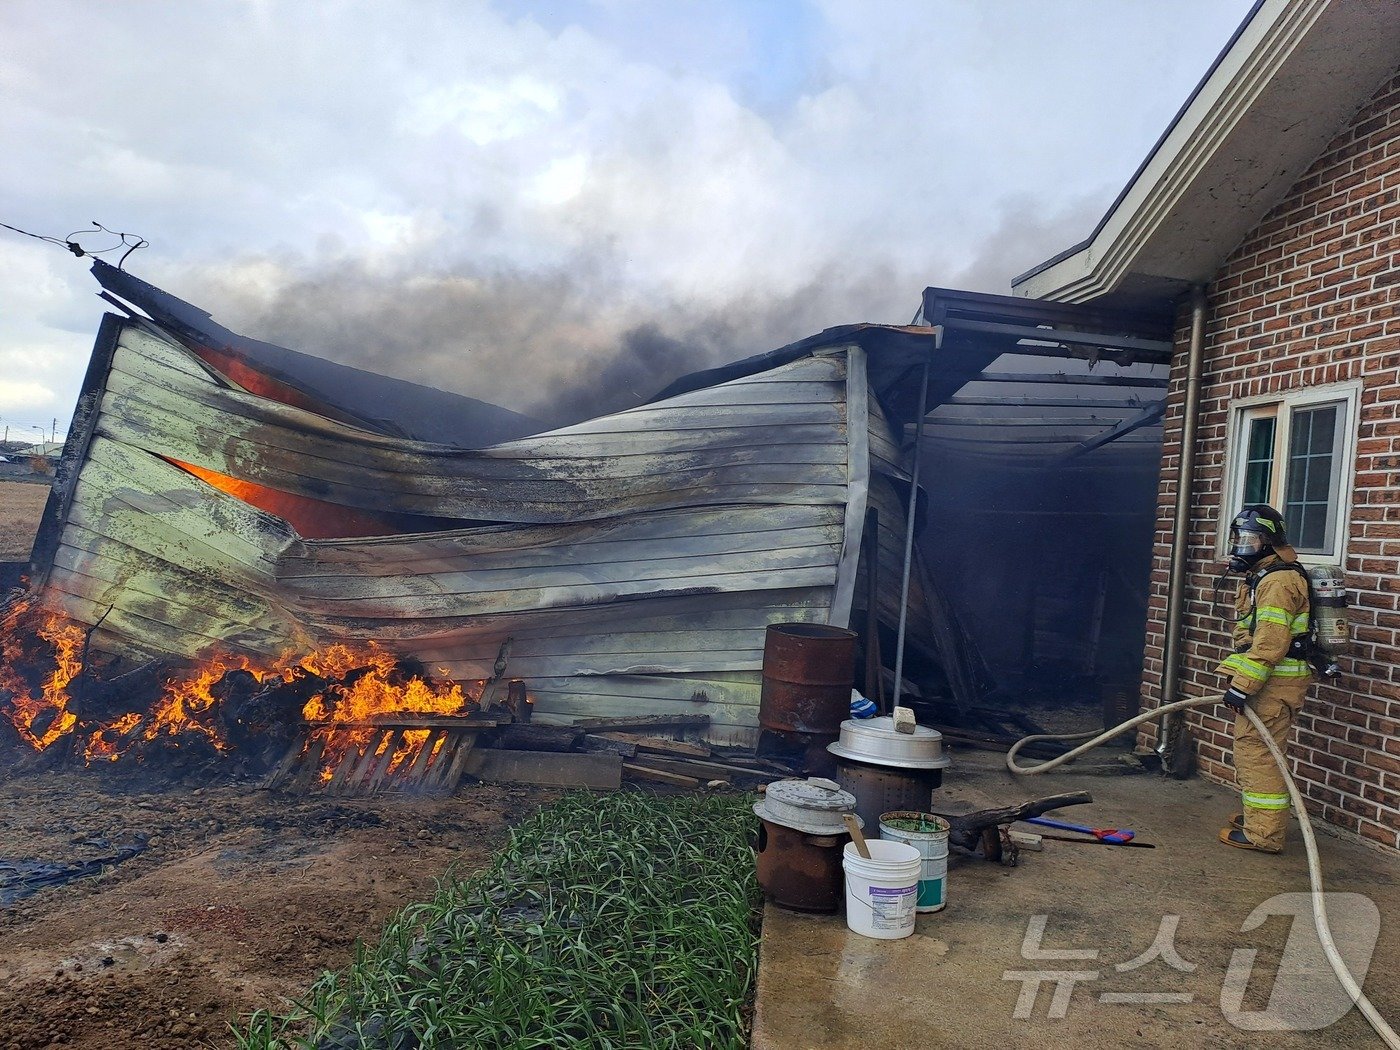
point(875, 741)
point(815, 805)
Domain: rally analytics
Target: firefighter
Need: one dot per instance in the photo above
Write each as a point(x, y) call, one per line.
point(1268, 670)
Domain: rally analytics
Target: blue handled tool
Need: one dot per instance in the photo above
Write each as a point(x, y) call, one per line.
point(1119, 835)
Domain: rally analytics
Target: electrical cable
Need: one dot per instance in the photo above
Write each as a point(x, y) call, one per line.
point(130, 241)
point(1319, 906)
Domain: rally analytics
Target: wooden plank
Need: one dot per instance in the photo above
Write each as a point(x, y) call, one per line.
point(405, 720)
point(657, 744)
point(395, 739)
point(311, 764)
point(420, 761)
point(660, 776)
point(547, 768)
point(285, 767)
point(361, 767)
point(642, 722)
point(341, 773)
point(442, 762)
point(709, 770)
point(459, 764)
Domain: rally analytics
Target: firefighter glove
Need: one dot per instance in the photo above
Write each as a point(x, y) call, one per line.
point(1234, 698)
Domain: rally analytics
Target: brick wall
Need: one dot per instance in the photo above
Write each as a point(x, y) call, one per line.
point(1310, 297)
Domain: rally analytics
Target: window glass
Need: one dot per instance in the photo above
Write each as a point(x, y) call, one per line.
point(1312, 477)
point(1259, 461)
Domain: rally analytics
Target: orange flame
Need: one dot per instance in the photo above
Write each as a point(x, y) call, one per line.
point(26, 707)
point(367, 683)
point(106, 743)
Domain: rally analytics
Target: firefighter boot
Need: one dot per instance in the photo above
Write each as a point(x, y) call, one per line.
point(1262, 787)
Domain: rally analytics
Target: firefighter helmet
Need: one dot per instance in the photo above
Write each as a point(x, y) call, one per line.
point(1254, 533)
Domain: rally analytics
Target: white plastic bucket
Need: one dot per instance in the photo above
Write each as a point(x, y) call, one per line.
point(880, 892)
point(933, 852)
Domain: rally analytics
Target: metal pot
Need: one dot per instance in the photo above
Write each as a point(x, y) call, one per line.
point(875, 741)
point(814, 805)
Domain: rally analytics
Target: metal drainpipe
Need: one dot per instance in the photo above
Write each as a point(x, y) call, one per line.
point(913, 511)
point(1181, 527)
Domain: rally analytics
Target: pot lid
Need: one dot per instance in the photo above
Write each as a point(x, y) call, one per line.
point(877, 742)
point(815, 805)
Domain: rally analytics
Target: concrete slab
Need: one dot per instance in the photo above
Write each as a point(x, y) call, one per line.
point(961, 979)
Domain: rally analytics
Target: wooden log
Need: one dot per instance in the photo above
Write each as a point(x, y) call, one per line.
point(596, 742)
point(659, 744)
point(642, 722)
point(520, 737)
point(660, 776)
point(548, 768)
point(966, 829)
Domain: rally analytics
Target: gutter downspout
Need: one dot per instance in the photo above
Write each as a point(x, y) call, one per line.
point(1169, 731)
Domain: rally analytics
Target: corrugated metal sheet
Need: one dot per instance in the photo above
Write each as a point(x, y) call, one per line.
point(634, 560)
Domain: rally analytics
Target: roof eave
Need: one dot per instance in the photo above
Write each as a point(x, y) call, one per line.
point(1272, 100)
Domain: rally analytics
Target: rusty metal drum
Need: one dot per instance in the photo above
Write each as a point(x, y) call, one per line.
point(800, 871)
point(808, 672)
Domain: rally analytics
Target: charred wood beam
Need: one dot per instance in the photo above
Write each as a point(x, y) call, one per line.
point(1060, 379)
point(966, 829)
point(1045, 341)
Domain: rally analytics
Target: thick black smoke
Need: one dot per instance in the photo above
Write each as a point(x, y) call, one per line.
point(572, 343)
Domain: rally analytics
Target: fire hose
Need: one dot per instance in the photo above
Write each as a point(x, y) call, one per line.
point(1319, 905)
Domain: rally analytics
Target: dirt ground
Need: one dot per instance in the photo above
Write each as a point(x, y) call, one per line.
point(21, 503)
point(241, 898)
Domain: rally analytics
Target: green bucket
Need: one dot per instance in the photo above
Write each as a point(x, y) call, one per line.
point(929, 835)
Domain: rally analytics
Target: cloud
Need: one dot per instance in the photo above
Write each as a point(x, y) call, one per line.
point(512, 201)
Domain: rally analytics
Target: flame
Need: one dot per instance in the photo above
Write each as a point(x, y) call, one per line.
point(106, 743)
point(26, 707)
point(367, 684)
point(372, 690)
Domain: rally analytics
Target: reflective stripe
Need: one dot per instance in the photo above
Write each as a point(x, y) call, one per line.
point(1258, 800)
point(1273, 614)
point(1255, 670)
point(1291, 668)
point(1301, 623)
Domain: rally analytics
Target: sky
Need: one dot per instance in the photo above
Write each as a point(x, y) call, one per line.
point(559, 207)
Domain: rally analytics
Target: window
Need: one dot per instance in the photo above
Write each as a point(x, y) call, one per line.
point(1296, 453)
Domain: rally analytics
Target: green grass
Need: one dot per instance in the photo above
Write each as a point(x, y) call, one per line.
point(623, 920)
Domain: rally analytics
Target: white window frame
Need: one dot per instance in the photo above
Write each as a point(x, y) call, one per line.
point(1348, 396)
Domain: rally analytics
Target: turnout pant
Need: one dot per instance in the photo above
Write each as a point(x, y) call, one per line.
point(1264, 793)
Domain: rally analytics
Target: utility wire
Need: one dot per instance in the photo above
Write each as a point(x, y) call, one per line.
point(128, 241)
